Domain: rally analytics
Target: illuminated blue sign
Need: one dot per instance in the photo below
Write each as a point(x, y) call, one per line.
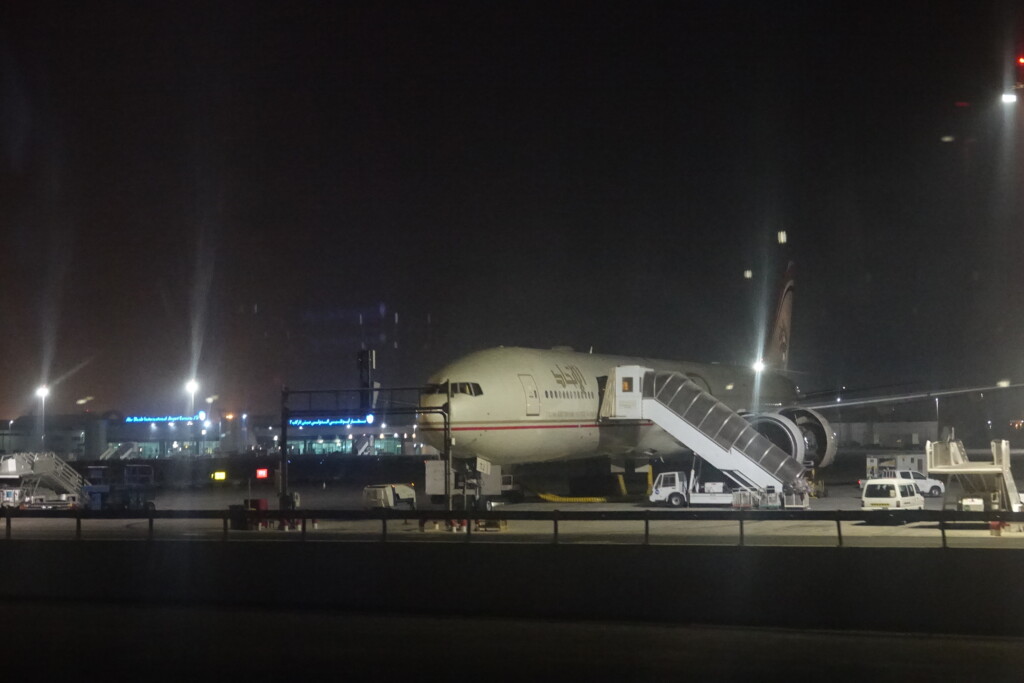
point(198, 417)
point(333, 421)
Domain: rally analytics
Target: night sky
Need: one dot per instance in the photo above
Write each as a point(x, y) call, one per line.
point(224, 188)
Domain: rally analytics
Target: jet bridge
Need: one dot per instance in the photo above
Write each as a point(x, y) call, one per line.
point(992, 482)
point(708, 427)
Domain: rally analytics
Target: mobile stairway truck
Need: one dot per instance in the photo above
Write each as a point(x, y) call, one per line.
point(763, 474)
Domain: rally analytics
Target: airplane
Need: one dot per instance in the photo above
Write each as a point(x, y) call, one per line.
point(514, 405)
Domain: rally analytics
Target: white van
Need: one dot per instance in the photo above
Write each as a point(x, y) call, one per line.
point(891, 494)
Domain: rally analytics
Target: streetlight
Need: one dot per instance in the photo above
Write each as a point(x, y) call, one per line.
point(42, 392)
point(192, 386)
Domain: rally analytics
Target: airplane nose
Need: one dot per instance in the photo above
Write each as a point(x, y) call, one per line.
point(431, 426)
point(431, 421)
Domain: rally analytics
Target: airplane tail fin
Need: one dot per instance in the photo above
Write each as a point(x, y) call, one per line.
point(776, 354)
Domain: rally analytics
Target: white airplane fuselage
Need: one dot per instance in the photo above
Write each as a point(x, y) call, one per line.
point(514, 405)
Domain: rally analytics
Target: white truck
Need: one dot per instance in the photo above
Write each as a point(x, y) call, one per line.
point(676, 489)
point(672, 488)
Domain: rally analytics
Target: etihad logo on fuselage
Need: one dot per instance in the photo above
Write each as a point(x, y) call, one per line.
point(571, 376)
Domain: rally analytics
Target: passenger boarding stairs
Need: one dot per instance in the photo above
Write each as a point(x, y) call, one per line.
point(121, 451)
point(708, 427)
point(44, 470)
point(990, 481)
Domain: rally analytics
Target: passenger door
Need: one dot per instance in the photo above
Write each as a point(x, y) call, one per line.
point(532, 397)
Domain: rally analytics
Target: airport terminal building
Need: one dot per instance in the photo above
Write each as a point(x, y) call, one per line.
point(87, 436)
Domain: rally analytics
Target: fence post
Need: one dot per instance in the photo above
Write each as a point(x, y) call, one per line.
point(554, 519)
point(839, 530)
point(7, 514)
point(647, 527)
point(303, 536)
point(225, 519)
point(150, 525)
point(384, 527)
point(942, 528)
point(78, 525)
point(741, 532)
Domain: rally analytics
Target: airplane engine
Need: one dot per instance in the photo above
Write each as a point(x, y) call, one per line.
point(781, 431)
point(819, 439)
point(803, 433)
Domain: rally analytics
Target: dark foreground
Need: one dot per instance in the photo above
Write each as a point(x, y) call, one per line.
point(154, 642)
point(940, 591)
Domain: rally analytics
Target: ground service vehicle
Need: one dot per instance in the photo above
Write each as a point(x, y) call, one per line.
point(388, 496)
point(130, 487)
point(672, 488)
point(927, 485)
point(890, 494)
point(975, 484)
point(39, 481)
point(476, 479)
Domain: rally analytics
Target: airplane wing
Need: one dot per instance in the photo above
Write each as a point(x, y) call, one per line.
point(839, 402)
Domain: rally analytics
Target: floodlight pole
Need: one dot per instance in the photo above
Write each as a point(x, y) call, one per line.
point(448, 447)
point(284, 502)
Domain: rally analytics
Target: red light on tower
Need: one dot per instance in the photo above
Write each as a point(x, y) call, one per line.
point(1020, 60)
point(262, 473)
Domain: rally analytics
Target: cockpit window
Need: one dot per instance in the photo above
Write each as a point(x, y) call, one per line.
point(434, 389)
point(468, 388)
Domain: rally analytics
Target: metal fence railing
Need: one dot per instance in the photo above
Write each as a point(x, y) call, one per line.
point(906, 528)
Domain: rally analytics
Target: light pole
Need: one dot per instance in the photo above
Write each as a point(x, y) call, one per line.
point(42, 392)
point(209, 416)
point(192, 386)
